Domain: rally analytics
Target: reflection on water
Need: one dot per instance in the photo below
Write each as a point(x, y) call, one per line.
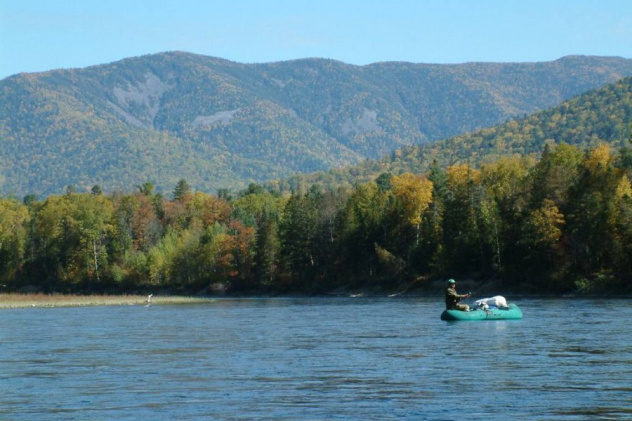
point(316, 359)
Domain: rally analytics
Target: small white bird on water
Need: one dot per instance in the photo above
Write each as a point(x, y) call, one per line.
point(149, 300)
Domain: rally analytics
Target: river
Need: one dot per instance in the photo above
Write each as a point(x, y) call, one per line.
point(317, 359)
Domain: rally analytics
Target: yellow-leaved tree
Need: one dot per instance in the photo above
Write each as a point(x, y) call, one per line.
point(545, 224)
point(413, 195)
point(599, 158)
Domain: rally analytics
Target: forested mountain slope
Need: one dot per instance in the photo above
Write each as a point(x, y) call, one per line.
point(221, 124)
point(603, 115)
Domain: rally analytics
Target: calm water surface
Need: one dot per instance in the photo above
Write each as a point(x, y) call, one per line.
point(316, 359)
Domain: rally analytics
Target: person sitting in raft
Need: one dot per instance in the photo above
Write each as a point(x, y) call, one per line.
point(452, 298)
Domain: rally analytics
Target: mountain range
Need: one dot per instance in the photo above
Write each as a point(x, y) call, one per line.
point(220, 124)
point(602, 115)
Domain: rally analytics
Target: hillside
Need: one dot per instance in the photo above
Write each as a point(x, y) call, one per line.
point(221, 124)
point(603, 115)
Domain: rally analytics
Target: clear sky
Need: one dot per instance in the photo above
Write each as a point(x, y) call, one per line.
point(40, 35)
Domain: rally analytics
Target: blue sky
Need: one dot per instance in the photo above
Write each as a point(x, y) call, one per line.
point(40, 35)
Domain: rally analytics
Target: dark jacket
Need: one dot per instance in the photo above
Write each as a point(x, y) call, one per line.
point(452, 298)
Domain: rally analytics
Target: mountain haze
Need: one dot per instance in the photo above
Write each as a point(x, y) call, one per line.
point(221, 124)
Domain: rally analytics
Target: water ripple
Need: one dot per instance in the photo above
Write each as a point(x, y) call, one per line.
point(315, 359)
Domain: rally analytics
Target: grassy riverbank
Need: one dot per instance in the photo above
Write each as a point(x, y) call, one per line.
point(62, 300)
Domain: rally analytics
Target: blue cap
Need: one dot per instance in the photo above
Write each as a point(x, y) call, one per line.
point(451, 281)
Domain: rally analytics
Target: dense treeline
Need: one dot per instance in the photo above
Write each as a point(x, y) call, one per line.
point(561, 223)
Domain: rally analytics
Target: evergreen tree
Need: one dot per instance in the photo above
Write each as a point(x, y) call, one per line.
point(181, 190)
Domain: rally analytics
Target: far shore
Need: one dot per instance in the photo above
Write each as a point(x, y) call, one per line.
point(40, 300)
point(64, 300)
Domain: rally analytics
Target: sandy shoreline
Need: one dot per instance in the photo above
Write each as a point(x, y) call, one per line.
point(62, 300)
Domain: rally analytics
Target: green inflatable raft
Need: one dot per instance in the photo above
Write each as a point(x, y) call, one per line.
point(493, 313)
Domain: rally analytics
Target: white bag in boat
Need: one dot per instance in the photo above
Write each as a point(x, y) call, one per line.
point(497, 301)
